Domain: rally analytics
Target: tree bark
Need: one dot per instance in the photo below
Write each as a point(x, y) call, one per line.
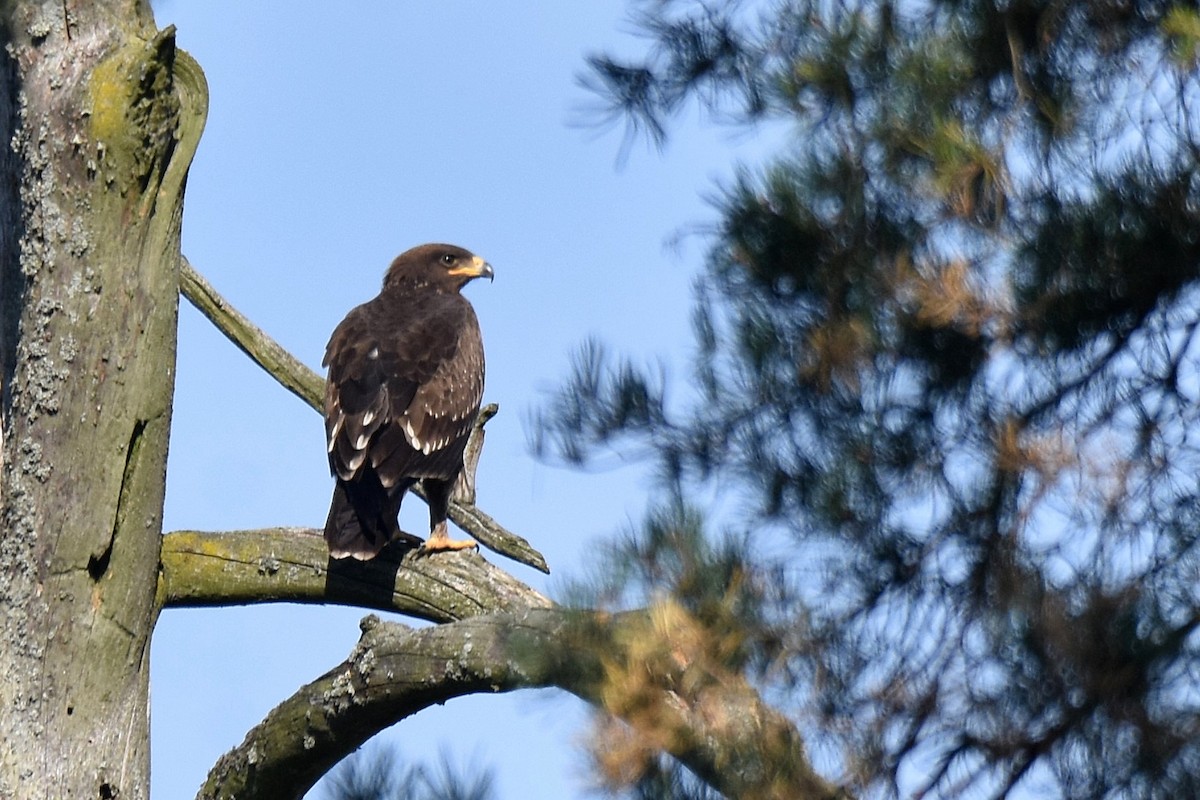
point(103, 114)
point(292, 565)
point(710, 719)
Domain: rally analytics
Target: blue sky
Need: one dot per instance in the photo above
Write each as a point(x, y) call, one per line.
point(340, 134)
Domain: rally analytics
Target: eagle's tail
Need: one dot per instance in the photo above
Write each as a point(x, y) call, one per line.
point(362, 521)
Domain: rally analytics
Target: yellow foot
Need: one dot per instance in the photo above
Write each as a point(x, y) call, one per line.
point(440, 541)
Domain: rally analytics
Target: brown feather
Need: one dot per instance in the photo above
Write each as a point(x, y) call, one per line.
point(405, 381)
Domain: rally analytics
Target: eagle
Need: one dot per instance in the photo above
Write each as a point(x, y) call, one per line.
point(403, 389)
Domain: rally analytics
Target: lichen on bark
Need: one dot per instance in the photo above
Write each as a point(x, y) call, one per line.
point(103, 116)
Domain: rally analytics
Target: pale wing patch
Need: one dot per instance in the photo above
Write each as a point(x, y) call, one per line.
point(411, 434)
point(338, 422)
point(444, 408)
point(426, 446)
point(349, 435)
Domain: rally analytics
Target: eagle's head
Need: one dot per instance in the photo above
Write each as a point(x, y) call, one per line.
point(440, 265)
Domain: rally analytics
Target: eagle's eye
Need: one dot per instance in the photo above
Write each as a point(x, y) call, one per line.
point(449, 259)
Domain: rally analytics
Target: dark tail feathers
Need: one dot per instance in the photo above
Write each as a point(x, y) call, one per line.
point(362, 520)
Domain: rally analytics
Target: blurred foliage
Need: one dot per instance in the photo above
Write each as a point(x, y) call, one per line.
point(630, 770)
point(946, 378)
point(377, 773)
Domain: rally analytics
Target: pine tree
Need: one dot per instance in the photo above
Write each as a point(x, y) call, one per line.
point(947, 361)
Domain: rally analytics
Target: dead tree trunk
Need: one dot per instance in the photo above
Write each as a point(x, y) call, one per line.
point(103, 115)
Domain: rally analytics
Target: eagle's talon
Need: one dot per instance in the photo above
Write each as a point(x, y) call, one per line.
point(440, 542)
point(449, 545)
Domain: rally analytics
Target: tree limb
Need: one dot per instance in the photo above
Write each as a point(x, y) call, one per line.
point(713, 721)
point(281, 365)
point(293, 565)
point(464, 487)
point(301, 381)
point(494, 536)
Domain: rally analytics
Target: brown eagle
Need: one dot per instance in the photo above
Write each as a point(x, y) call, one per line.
point(403, 389)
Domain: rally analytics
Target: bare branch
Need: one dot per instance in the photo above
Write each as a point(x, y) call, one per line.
point(494, 536)
point(722, 729)
point(301, 381)
point(293, 565)
point(262, 349)
point(464, 488)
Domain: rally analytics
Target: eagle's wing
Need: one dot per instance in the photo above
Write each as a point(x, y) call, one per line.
point(403, 389)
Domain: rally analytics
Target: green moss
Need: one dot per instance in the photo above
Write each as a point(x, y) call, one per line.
point(109, 97)
point(134, 109)
point(1181, 27)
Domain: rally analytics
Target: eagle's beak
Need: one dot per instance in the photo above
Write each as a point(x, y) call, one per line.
point(478, 268)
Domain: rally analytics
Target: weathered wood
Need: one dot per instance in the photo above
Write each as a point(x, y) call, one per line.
point(104, 114)
point(292, 565)
point(277, 362)
point(710, 719)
